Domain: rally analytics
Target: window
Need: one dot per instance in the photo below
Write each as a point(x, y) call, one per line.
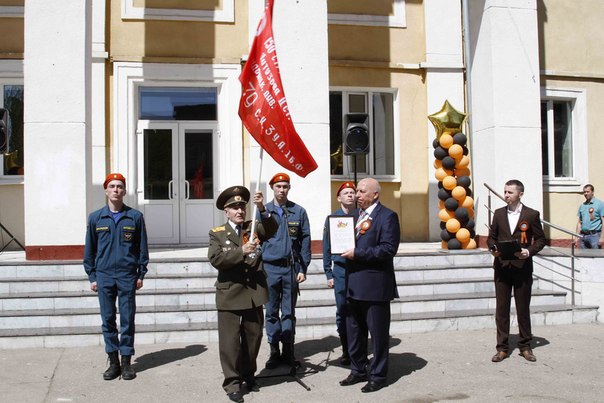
point(563, 139)
point(163, 103)
point(380, 106)
point(11, 140)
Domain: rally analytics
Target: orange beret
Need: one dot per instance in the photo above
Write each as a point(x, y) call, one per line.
point(114, 177)
point(346, 185)
point(280, 177)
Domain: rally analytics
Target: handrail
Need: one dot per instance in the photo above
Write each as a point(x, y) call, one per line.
point(571, 233)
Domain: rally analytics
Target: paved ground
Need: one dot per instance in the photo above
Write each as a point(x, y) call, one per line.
point(432, 367)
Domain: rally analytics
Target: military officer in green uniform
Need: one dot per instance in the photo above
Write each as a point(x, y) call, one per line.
point(241, 288)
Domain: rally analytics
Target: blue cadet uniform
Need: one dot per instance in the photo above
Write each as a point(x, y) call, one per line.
point(116, 256)
point(276, 255)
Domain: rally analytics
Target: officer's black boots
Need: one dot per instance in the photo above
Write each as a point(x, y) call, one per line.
point(114, 369)
point(275, 358)
point(128, 372)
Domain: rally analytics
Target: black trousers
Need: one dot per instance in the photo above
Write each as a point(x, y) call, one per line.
point(521, 282)
point(364, 318)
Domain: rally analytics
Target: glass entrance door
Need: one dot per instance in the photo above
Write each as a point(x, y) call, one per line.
point(176, 181)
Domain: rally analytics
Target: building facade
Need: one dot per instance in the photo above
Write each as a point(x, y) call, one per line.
point(150, 88)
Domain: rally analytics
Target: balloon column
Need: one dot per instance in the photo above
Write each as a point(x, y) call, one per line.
point(453, 173)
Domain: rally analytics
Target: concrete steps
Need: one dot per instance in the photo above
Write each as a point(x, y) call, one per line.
point(52, 306)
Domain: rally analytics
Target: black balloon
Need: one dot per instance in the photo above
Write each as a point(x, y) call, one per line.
point(470, 224)
point(454, 244)
point(472, 233)
point(444, 194)
point(469, 192)
point(448, 163)
point(460, 138)
point(465, 150)
point(451, 204)
point(446, 235)
point(435, 143)
point(463, 181)
point(440, 185)
point(443, 225)
point(462, 214)
point(440, 153)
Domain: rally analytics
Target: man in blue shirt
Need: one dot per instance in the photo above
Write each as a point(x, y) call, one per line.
point(115, 259)
point(287, 250)
point(590, 220)
point(335, 265)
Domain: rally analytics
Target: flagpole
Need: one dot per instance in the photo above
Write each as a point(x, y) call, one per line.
point(257, 189)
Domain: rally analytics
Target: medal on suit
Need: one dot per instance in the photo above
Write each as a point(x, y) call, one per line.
point(523, 228)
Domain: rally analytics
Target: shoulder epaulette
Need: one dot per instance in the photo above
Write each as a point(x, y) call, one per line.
point(218, 229)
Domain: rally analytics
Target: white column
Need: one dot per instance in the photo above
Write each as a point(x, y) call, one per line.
point(444, 81)
point(506, 142)
point(300, 30)
point(56, 80)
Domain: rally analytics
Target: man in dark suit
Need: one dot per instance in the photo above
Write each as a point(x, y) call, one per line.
point(371, 286)
point(522, 224)
point(240, 288)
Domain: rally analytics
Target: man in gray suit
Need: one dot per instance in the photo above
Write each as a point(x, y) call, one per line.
point(241, 288)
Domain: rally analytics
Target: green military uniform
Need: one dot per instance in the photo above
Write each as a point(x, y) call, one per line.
point(241, 291)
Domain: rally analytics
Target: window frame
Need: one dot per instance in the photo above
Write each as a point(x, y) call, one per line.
point(578, 100)
point(369, 92)
point(11, 73)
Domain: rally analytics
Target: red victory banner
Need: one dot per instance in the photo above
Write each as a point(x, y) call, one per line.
point(263, 108)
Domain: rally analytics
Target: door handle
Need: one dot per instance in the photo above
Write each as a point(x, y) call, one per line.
point(187, 190)
point(170, 186)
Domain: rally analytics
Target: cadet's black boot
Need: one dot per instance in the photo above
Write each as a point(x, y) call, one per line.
point(128, 372)
point(288, 355)
point(275, 358)
point(345, 358)
point(114, 369)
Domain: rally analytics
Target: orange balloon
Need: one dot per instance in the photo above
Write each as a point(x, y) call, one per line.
point(462, 235)
point(438, 164)
point(441, 173)
point(453, 225)
point(458, 192)
point(445, 215)
point(446, 140)
point(456, 151)
point(444, 245)
point(441, 204)
point(449, 182)
point(468, 203)
point(463, 162)
point(470, 245)
point(462, 172)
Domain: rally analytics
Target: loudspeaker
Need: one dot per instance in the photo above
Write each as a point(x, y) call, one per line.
point(3, 130)
point(357, 134)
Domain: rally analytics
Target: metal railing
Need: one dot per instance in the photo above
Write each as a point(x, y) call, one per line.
point(546, 223)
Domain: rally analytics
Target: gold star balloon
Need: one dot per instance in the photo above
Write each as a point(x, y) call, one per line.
point(447, 120)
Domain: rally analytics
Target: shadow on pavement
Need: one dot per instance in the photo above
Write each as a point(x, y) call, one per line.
point(163, 357)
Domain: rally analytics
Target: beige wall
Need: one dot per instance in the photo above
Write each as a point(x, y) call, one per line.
point(572, 44)
point(11, 37)
point(178, 41)
point(11, 214)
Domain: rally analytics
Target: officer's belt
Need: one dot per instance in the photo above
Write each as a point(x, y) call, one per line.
point(591, 232)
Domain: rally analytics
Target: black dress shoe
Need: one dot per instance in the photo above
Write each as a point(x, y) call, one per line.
point(372, 386)
point(251, 385)
point(353, 379)
point(235, 397)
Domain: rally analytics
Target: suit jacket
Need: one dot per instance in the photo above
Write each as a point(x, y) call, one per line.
point(370, 275)
point(241, 282)
point(500, 231)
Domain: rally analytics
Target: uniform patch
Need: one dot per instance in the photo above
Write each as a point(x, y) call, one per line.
point(128, 236)
point(102, 229)
point(218, 229)
point(128, 228)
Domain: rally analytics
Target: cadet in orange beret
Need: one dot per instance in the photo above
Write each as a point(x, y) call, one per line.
point(115, 258)
point(335, 265)
point(288, 250)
